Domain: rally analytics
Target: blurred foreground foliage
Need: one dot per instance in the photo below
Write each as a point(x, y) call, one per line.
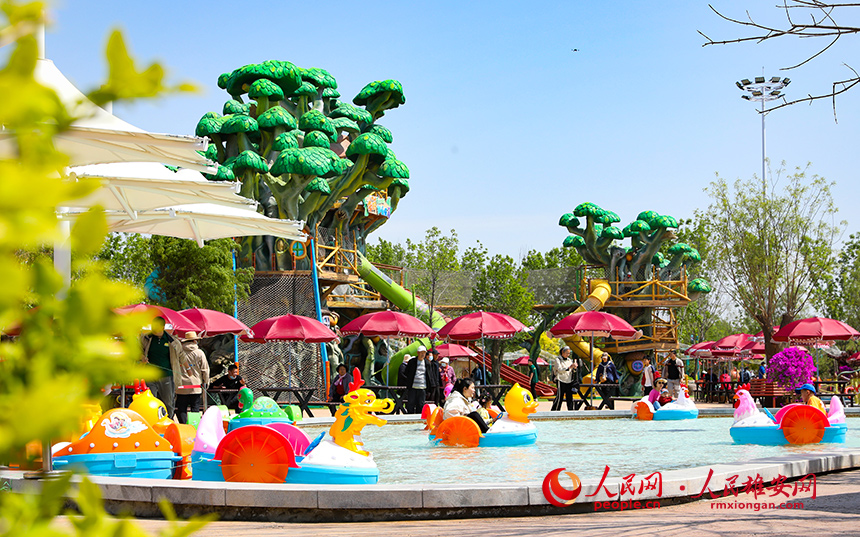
point(71, 344)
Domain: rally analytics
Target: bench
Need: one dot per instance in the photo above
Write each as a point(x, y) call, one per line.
point(332, 407)
point(767, 391)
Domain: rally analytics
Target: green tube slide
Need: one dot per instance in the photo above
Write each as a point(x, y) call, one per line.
point(403, 299)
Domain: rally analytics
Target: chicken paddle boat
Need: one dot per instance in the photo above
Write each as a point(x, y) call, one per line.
point(793, 424)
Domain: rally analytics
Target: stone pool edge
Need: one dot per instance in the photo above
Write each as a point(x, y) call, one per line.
point(354, 503)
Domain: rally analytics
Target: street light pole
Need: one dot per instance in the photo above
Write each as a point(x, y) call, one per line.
point(762, 91)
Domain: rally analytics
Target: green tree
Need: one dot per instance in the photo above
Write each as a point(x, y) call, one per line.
point(700, 320)
point(501, 288)
point(73, 343)
point(841, 288)
point(437, 256)
point(386, 253)
point(192, 277)
point(474, 258)
point(552, 259)
point(768, 245)
point(127, 258)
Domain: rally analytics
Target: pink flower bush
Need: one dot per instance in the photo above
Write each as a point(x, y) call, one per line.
point(791, 368)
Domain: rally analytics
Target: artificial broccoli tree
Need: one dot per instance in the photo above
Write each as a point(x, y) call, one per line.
point(302, 153)
point(651, 255)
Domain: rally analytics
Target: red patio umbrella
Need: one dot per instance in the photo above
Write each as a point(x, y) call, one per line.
point(388, 324)
point(701, 349)
point(524, 360)
point(290, 328)
point(452, 350)
point(594, 323)
point(760, 335)
point(479, 325)
point(213, 323)
point(816, 329)
point(731, 343)
point(176, 322)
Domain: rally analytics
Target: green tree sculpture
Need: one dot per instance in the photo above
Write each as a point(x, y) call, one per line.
point(649, 255)
point(302, 153)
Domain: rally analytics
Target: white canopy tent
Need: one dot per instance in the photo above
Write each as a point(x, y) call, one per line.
point(98, 136)
point(202, 221)
point(145, 186)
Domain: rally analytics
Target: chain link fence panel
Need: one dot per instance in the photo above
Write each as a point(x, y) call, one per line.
point(281, 363)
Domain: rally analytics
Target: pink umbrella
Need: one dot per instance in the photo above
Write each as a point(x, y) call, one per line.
point(480, 325)
point(290, 328)
point(214, 323)
point(388, 324)
point(452, 350)
point(524, 360)
point(177, 323)
point(816, 329)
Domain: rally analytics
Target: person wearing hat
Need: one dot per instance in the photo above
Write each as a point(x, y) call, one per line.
point(435, 383)
point(164, 352)
point(807, 393)
point(448, 376)
point(194, 375)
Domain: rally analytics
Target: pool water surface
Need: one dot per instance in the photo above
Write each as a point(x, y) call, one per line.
point(405, 456)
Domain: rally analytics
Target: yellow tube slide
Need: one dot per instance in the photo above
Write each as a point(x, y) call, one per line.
point(600, 292)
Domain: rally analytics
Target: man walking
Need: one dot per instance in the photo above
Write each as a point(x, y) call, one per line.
point(673, 371)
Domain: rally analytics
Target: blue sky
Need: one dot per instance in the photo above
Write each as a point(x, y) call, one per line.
point(505, 128)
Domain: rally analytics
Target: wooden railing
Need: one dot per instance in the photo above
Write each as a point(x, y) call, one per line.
point(336, 257)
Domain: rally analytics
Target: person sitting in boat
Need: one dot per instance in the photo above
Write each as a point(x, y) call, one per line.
point(807, 393)
point(484, 404)
point(459, 403)
point(654, 395)
point(665, 397)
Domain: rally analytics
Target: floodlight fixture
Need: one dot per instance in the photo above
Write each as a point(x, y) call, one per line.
point(763, 91)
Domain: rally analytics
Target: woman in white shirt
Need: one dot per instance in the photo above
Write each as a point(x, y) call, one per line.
point(459, 403)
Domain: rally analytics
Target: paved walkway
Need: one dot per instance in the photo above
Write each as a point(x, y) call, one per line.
point(834, 511)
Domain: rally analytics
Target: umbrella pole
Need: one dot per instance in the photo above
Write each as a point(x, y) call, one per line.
point(591, 366)
point(484, 358)
point(387, 362)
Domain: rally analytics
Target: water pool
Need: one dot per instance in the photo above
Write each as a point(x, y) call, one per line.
point(405, 456)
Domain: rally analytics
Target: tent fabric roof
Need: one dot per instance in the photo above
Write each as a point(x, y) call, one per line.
point(145, 186)
point(202, 221)
point(98, 136)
